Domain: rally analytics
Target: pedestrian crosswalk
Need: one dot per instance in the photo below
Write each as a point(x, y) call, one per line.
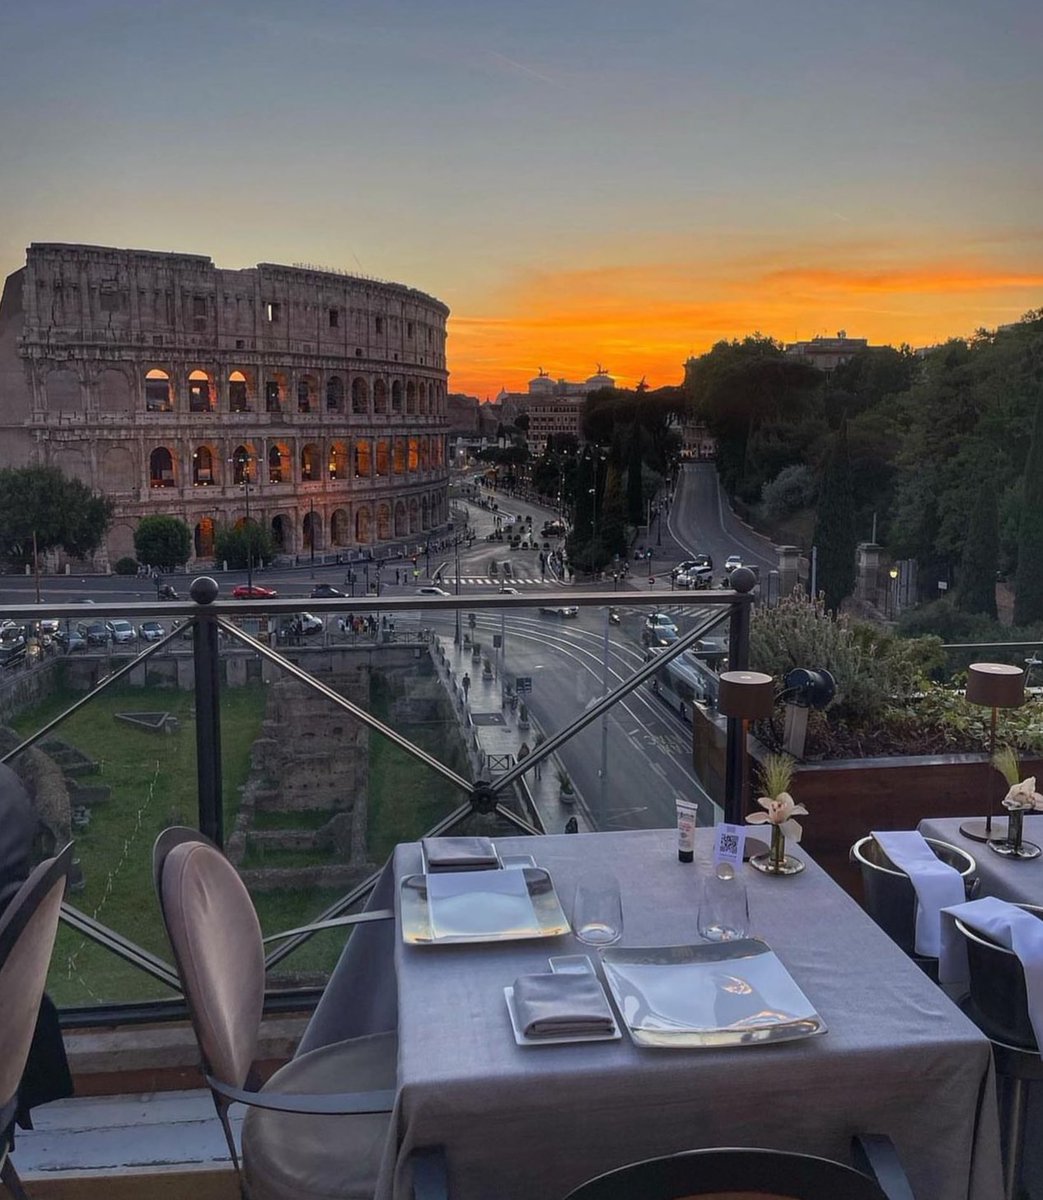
point(493, 581)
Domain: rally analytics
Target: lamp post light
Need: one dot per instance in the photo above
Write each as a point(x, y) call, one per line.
point(893, 591)
point(241, 464)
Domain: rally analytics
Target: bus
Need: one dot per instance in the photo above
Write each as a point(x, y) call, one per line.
point(684, 681)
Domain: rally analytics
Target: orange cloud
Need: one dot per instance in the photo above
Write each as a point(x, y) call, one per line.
point(645, 319)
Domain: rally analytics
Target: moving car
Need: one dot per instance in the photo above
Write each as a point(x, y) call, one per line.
point(121, 632)
point(731, 562)
point(243, 591)
point(326, 591)
point(561, 610)
point(553, 529)
point(656, 622)
point(665, 635)
point(151, 631)
point(694, 577)
point(431, 590)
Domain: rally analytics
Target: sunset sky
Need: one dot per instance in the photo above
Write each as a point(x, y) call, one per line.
point(581, 182)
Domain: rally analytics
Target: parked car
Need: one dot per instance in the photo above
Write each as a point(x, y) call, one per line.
point(50, 626)
point(310, 623)
point(431, 590)
point(553, 529)
point(326, 591)
point(695, 577)
point(70, 640)
point(731, 562)
point(655, 622)
point(121, 632)
point(96, 633)
point(151, 631)
point(244, 591)
point(561, 610)
point(12, 647)
point(684, 567)
point(661, 636)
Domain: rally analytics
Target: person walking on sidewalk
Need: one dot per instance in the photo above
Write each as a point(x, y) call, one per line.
point(537, 770)
point(465, 683)
point(523, 752)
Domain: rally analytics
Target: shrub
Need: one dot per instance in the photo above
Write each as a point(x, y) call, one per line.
point(125, 565)
point(791, 490)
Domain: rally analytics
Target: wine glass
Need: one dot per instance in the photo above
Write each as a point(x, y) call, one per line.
point(597, 913)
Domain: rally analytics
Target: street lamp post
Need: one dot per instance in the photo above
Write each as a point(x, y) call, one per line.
point(311, 532)
point(893, 591)
point(242, 461)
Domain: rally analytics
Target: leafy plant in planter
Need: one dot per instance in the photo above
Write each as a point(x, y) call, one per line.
point(566, 792)
point(487, 669)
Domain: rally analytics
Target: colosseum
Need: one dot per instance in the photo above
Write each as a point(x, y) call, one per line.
point(176, 387)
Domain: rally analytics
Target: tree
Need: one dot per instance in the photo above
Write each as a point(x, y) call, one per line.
point(835, 530)
point(239, 544)
point(976, 579)
point(1028, 583)
point(42, 502)
point(635, 491)
point(163, 541)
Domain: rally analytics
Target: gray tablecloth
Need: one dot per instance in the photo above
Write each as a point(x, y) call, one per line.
point(519, 1122)
point(1017, 880)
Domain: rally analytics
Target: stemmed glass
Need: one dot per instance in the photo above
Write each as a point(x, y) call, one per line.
point(597, 913)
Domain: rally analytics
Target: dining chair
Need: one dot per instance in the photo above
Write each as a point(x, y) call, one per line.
point(998, 1005)
point(303, 1138)
point(28, 926)
point(738, 1174)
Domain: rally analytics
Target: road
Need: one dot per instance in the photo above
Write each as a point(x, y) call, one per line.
point(701, 521)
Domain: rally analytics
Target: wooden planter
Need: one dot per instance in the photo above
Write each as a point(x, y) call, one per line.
point(849, 797)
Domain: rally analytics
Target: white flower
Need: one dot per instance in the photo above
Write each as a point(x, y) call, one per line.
point(1023, 796)
point(780, 812)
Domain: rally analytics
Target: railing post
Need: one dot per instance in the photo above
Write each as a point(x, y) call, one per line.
point(208, 711)
point(735, 747)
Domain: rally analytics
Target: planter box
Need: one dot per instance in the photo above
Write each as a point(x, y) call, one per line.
point(849, 797)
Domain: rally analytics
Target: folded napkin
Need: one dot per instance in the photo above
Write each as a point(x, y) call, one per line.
point(936, 884)
point(459, 854)
point(561, 1005)
point(1008, 926)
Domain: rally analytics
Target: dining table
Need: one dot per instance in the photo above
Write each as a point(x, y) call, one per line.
point(1019, 880)
point(516, 1121)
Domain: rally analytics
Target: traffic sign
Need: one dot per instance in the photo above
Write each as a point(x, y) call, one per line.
point(523, 683)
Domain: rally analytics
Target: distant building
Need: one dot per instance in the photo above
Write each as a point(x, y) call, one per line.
point(827, 353)
point(696, 440)
point(553, 405)
point(167, 383)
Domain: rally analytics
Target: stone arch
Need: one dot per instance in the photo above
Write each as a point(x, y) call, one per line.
point(340, 527)
point(413, 454)
point(158, 394)
point(201, 394)
point(384, 522)
point(241, 390)
point(335, 394)
point(275, 387)
point(73, 461)
point(311, 528)
point(204, 466)
point(380, 397)
point(119, 541)
point(114, 391)
point(383, 457)
point(203, 537)
point(414, 515)
point(307, 393)
point(425, 453)
point(423, 397)
point(242, 465)
point(363, 525)
point(401, 519)
point(411, 397)
point(280, 465)
point(117, 470)
point(359, 396)
point(398, 455)
point(281, 531)
point(363, 458)
point(161, 473)
point(311, 463)
point(425, 513)
point(338, 464)
point(396, 396)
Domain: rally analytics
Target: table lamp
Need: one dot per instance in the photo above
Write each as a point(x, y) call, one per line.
point(995, 686)
point(744, 696)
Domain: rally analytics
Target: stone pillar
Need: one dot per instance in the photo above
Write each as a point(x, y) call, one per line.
point(789, 569)
point(867, 578)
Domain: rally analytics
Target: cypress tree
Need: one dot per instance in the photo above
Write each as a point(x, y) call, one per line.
point(835, 529)
point(635, 493)
point(1028, 582)
point(976, 579)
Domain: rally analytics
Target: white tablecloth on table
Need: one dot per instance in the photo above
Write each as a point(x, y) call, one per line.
point(520, 1122)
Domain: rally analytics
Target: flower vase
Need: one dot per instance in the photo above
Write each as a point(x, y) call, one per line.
point(1014, 845)
point(777, 861)
point(1015, 830)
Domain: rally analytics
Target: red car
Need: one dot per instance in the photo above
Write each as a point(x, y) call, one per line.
point(244, 592)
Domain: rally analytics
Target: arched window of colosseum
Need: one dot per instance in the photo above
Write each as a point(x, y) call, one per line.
point(204, 538)
point(281, 531)
point(359, 396)
point(399, 455)
point(380, 396)
point(414, 516)
point(383, 522)
point(310, 469)
point(383, 456)
point(200, 392)
point(436, 451)
point(242, 465)
point(414, 453)
point(63, 391)
point(362, 523)
point(203, 474)
point(425, 513)
point(307, 392)
point(279, 464)
point(396, 396)
point(401, 521)
point(238, 392)
point(338, 461)
point(363, 458)
point(113, 392)
point(425, 454)
point(335, 394)
point(423, 397)
point(161, 468)
point(340, 527)
point(274, 392)
point(312, 529)
point(411, 396)
point(157, 391)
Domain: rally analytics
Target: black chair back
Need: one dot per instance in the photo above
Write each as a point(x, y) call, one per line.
point(998, 1001)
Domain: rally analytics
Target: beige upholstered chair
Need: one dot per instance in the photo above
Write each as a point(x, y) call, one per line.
point(28, 926)
point(303, 1138)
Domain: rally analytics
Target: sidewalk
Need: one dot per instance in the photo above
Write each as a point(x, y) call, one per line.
point(494, 734)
